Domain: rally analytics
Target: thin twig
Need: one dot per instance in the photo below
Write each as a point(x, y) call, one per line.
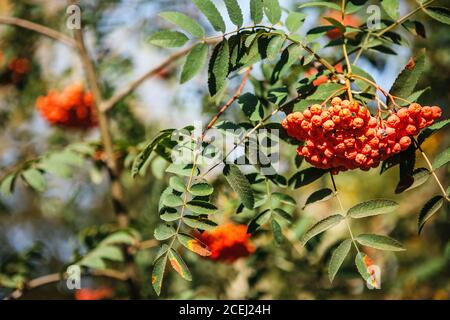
point(51, 33)
point(136, 83)
point(336, 194)
point(56, 277)
point(432, 170)
point(236, 95)
point(404, 18)
point(120, 209)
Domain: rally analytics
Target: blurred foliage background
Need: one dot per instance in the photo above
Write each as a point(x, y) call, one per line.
point(41, 233)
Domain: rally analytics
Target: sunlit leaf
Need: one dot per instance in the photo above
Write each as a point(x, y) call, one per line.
point(338, 257)
point(380, 242)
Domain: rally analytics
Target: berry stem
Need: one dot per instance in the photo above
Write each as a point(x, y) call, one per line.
point(432, 170)
point(384, 92)
point(336, 194)
point(332, 96)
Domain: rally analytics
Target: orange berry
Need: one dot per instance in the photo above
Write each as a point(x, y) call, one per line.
point(316, 120)
point(437, 112)
point(328, 125)
point(405, 142)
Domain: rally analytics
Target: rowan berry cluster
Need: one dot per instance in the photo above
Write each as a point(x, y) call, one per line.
point(19, 67)
point(346, 136)
point(228, 242)
point(72, 108)
point(94, 294)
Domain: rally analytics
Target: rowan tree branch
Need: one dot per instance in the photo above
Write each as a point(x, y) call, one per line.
point(136, 83)
point(26, 24)
point(236, 95)
point(56, 277)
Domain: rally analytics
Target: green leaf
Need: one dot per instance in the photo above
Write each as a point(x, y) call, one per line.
point(168, 39)
point(251, 106)
point(428, 132)
point(158, 274)
point(284, 199)
point(164, 232)
point(442, 159)
point(407, 80)
point(361, 265)
point(419, 177)
point(34, 178)
point(66, 157)
point(177, 184)
point(354, 6)
point(372, 208)
point(240, 185)
point(201, 207)
point(295, 20)
point(218, 67)
point(173, 201)
point(95, 258)
point(338, 257)
point(430, 208)
point(56, 168)
point(391, 7)
point(179, 265)
point(274, 46)
point(256, 10)
point(305, 177)
point(184, 22)
point(260, 220)
point(120, 237)
point(322, 226)
point(321, 4)
point(184, 170)
point(199, 222)
point(169, 214)
point(362, 85)
point(7, 184)
point(195, 61)
point(289, 56)
point(283, 214)
point(379, 242)
point(277, 232)
point(194, 244)
point(324, 91)
point(234, 12)
point(273, 10)
point(440, 14)
point(142, 157)
point(201, 189)
point(319, 195)
point(208, 8)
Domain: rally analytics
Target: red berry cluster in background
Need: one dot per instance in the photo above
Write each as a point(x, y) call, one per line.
point(19, 67)
point(350, 20)
point(228, 242)
point(94, 294)
point(72, 108)
point(346, 136)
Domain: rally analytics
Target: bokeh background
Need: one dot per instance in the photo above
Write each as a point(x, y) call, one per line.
point(40, 232)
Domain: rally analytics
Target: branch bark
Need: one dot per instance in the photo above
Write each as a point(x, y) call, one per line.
point(236, 95)
point(120, 209)
point(51, 33)
point(56, 277)
point(136, 83)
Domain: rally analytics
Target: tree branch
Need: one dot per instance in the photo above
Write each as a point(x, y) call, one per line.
point(56, 277)
point(51, 33)
point(236, 95)
point(120, 209)
point(136, 83)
